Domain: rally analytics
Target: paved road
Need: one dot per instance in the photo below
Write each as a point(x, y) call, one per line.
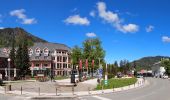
point(11, 97)
point(159, 89)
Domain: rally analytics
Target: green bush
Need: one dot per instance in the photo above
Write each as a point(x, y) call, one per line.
point(1, 82)
point(110, 76)
point(116, 83)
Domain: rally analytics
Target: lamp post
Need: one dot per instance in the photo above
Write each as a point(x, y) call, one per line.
point(9, 85)
point(9, 69)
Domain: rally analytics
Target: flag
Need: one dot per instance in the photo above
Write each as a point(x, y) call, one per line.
point(92, 63)
point(86, 64)
point(80, 64)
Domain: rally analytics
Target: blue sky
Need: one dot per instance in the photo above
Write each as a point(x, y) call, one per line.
point(128, 29)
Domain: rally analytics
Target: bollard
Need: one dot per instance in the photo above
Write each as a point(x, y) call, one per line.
point(5, 89)
point(73, 90)
point(39, 91)
point(56, 91)
point(134, 85)
point(113, 88)
point(21, 90)
point(102, 89)
point(89, 90)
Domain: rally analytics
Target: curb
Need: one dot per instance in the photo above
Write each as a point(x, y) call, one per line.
point(53, 97)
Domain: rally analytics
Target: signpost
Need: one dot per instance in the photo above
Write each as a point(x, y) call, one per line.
point(100, 71)
point(106, 80)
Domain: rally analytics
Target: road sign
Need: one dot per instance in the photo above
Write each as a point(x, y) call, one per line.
point(105, 82)
point(100, 71)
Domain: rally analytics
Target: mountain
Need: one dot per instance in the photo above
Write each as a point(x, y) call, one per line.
point(147, 62)
point(7, 34)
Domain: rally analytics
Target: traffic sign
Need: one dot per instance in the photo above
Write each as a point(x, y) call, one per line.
point(105, 82)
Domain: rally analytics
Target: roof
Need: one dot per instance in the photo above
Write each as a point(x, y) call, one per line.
point(51, 46)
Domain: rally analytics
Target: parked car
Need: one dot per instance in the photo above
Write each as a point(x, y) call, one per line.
point(165, 77)
point(139, 76)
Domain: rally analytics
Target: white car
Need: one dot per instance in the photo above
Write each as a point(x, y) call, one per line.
point(165, 76)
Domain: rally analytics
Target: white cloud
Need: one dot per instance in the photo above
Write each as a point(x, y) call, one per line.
point(91, 34)
point(149, 28)
point(113, 19)
point(77, 20)
point(130, 28)
point(20, 14)
point(106, 15)
point(29, 21)
point(92, 13)
point(1, 27)
point(166, 39)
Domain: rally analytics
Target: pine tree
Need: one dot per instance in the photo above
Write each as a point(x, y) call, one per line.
point(115, 64)
point(25, 59)
point(22, 59)
point(18, 60)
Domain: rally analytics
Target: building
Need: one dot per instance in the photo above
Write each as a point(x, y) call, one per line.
point(158, 70)
point(47, 59)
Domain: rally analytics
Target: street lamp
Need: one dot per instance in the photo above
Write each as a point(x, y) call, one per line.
point(9, 69)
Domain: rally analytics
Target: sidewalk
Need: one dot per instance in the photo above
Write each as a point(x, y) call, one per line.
point(138, 84)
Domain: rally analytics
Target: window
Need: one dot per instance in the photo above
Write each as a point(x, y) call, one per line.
point(37, 51)
point(58, 65)
point(64, 65)
point(37, 57)
point(46, 51)
point(45, 65)
point(53, 58)
point(45, 57)
point(59, 58)
point(69, 66)
point(37, 65)
point(30, 51)
point(64, 59)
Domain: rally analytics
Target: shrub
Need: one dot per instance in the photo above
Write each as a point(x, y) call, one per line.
point(1, 82)
point(111, 76)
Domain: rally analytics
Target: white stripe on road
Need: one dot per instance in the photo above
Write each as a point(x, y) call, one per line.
point(101, 98)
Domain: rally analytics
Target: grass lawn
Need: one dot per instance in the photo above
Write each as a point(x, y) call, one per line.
point(116, 83)
point(60, 77)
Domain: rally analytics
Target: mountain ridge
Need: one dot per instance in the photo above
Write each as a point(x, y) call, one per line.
point(7, 35)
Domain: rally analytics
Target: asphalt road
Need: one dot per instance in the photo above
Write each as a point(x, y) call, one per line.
point(11, 97)
point(159, 89)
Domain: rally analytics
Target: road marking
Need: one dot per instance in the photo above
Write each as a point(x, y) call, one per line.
point(101, 98)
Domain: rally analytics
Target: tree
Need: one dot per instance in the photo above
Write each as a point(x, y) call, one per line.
point(116, 64)
point(22, 59)
point(92, 50)
point(135, 69)
point(25, 59)
point(18, 60)
point(76, 55)
point(166, 64)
